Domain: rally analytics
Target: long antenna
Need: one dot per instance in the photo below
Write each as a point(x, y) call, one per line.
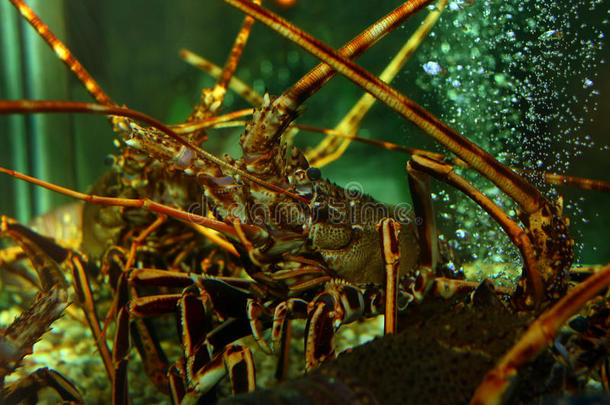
point(36, 106)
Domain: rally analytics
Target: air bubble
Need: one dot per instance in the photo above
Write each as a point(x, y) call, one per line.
point(551, 34)
point(432, 68)
point(461, 234)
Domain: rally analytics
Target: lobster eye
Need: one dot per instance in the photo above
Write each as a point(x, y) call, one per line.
point(109, 160)
point(313, 173)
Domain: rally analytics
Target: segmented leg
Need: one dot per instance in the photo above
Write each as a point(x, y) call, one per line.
point(120, 348)
point(236, 362)
point(48, 258)
point(339, 303)
point(26, 389)
point(281, 331)
point(419, 184)
point(19, 337)
point(388, 230)
point(531, 282)
point(208, 350)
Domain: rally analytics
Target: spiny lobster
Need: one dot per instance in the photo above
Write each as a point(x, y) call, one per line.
point(295, 231)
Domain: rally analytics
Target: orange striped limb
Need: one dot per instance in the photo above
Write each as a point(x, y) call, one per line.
point(338, 304)
point(256, 311)
point(162, 209)
point(43, 253)
point(177, 386)
point(537, 337)
point(63, 53)
point(207, 344)
point(18, 338)
point(235, 361)
point(135, 331)
point(388, 229)
point(281, 331)
point(121, 344)
point(84, 296)
point(425, 220)
point(549, 178)
point(332, 147)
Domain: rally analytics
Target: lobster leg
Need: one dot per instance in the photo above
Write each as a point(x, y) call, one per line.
point(120, 348)
point(388, 229)
point(281, 331)
point(18, 339)
point(339, 303)
point(44, 254)
point(208, 350)
point(135, 330)
point(419, 184)
point(26, 389)
point(48, 258)
point(20, 336)
point(531, 284)
point(207, 365)
point(234, 360)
